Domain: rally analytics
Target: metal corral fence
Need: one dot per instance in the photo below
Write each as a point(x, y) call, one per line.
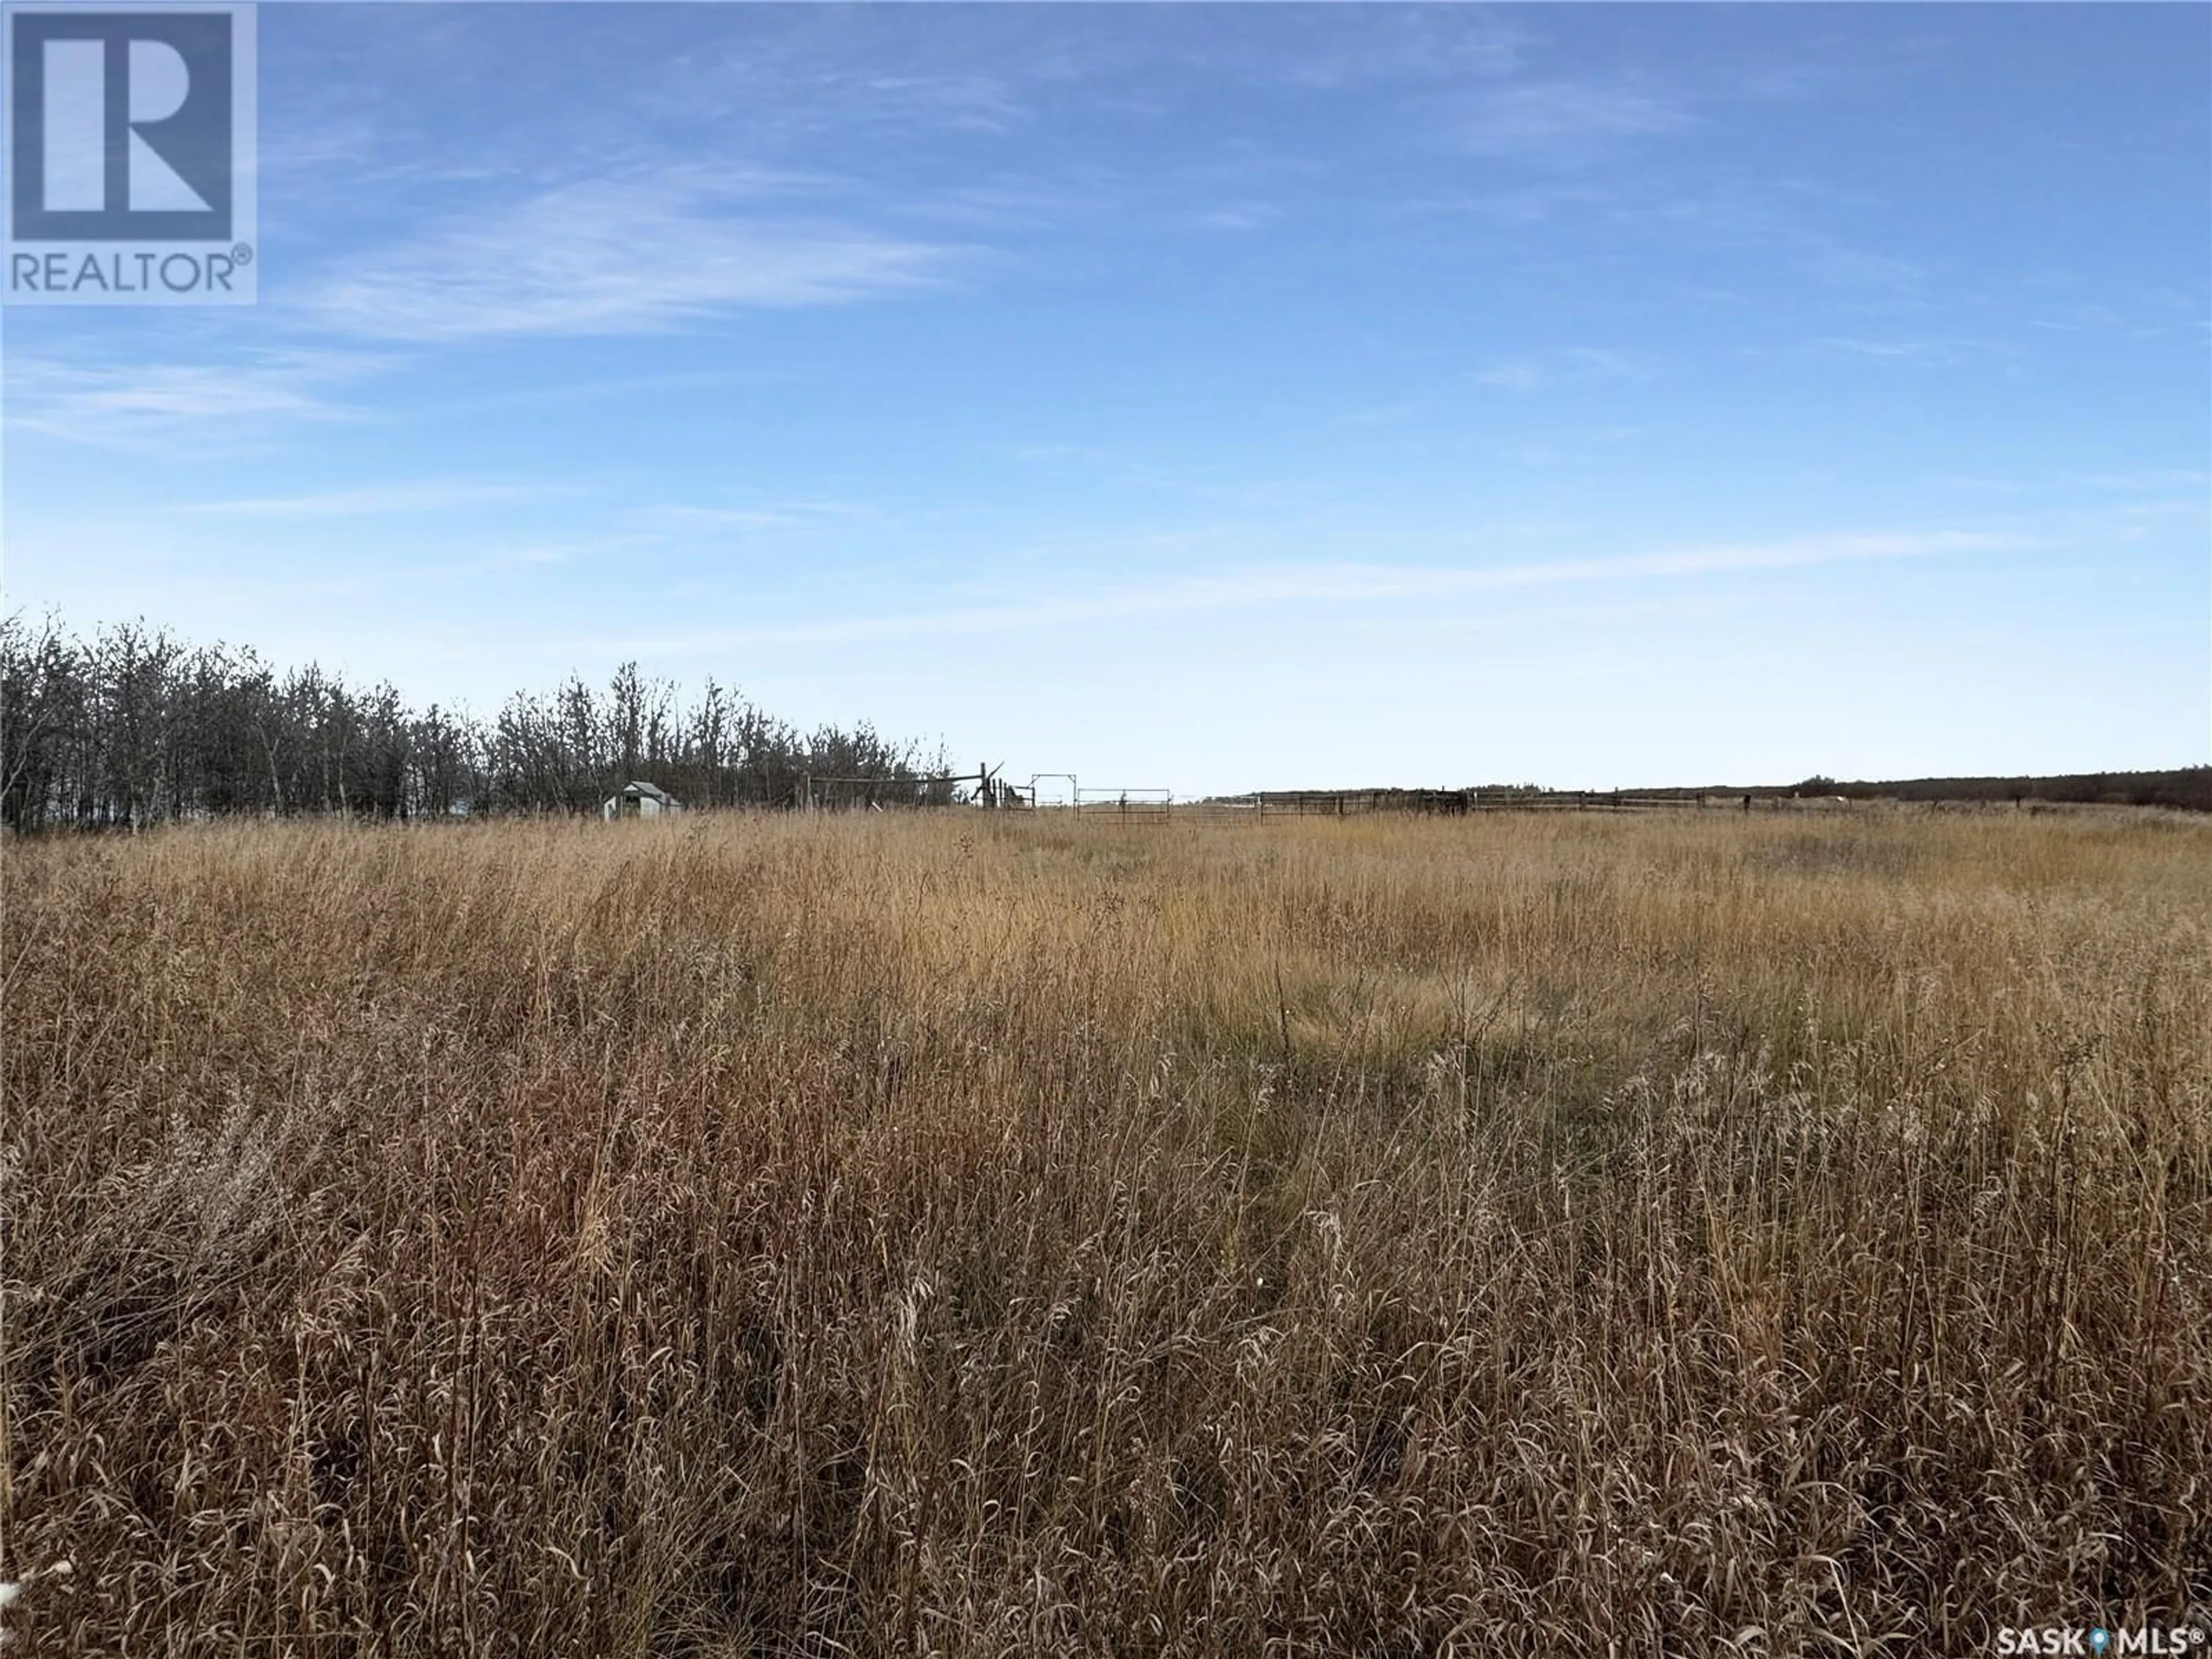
point(1160, 806)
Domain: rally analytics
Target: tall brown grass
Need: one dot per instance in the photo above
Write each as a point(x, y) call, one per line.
point(986, 1236)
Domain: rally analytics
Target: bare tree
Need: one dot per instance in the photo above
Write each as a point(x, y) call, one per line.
point(136, 727)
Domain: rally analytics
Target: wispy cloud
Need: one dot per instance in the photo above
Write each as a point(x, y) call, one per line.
point(2137, 322)
point(1014, 202)
point(1835, 263)
point(1570, 365)
point(180, 409)
point(1565, 119)
point(1337, 584)
point(1913, 350)
point(1528, 204)
point(617, 256)
point(1783, 217)
point(2152, 479)
point(682, 521)
point(1380, 414)
point(1237, 215)
point(431, 496)
point(1945, 352)
point(998, 66)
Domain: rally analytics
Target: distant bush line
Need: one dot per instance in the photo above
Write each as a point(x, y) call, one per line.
point(2187, 788)
point(135, 727)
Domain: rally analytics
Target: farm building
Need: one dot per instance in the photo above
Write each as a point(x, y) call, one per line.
point(639, 800)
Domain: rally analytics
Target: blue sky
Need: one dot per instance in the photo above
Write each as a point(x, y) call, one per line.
point(1203, 398)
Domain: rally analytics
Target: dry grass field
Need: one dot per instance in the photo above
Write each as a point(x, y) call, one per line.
point(975, 1234)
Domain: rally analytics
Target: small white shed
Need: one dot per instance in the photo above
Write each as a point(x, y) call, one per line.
point(639, 800)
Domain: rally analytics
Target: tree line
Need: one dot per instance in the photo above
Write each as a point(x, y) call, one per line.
point(135, 727)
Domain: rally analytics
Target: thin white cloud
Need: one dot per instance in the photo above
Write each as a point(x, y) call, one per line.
point(1552, 119)
point(1014, 201)
point(431, 496)
point(1519, 376)
point(1570, 365)
point(966, 66)
point(1946, 352)
point(180, 409)
point(1528, 204)
point(2145, 478)
point(680, 520)
point(1835, 263)
point(1238, 215)
point(618, 256)
point(1898, 350)
point(1775, 219)
point(1336, 584)
point(1375, 414)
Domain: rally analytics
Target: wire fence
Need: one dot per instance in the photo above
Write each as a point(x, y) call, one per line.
point(1160, 806)
point(1050, 794)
